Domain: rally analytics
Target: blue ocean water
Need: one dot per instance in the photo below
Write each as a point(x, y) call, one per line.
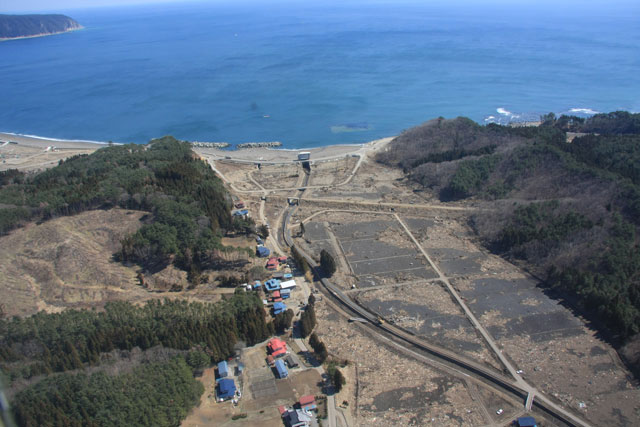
point(308, 74)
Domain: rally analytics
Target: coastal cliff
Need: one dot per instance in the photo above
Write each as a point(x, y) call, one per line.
point(22, 26)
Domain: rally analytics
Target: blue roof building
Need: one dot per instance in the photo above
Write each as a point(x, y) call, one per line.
point(527, 422)
point(223, 369)
point(272, 284)
point(226, 389)
point(282, 369)
point(262, 251)
point(287, 276)
point(285, 293)
point(242, 212)
point(279, 307)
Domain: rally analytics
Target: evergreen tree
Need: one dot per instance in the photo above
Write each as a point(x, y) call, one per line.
point(327, 263)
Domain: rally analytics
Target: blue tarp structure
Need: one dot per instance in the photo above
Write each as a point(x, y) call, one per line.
point(281, 368)
point(257, 284)
point(285, 293)
point(272, 284)
point(287, 276)
point(223, 369)
point(242, 212)
point(279, 307)
point(262, 251)
point(527, 422)
point(226, 388)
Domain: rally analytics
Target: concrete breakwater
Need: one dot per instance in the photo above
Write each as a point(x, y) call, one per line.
point(259, 144)
point(210, 144)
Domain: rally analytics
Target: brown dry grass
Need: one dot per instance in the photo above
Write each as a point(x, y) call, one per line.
point(67, 262)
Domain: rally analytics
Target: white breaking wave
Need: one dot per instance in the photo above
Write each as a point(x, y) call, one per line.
point(59, 140)
point(583, 111)
point(507, 113)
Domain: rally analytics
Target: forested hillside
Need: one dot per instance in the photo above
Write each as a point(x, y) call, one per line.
point(37, 347)
point(13, 26)
point(158, 394)
point(189, 205)
point(73, 339)
point(569, 211)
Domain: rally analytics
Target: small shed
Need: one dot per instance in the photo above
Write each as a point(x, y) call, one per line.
point(223, 369)
point(526, 422)
point(276, 294)
point(262, 251)
point(240, 369)
point(285, 293)
point(287, 276)
point(308, 403)
point(226, 389)
point(282, 370)
point(282, 259)
point(291, 362)
point(282, 410)
point(278, 275)
point(257, 285)
point(270, 360)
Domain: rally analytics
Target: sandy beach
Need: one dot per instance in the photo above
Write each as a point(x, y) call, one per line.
point(283, 155)
point(26, 152)
point(29, 153)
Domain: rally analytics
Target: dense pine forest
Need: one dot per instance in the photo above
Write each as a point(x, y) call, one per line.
point(157, 394)
point(36, 348)
point(73, 339)
point(189, 206)
point(564, 201)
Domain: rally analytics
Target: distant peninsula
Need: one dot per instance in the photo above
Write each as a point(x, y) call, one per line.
point(24, 26)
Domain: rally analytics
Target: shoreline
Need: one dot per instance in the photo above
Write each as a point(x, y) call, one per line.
point(251, 153)
point(6, 39)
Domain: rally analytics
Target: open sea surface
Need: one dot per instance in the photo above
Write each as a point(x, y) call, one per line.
point(309, 75)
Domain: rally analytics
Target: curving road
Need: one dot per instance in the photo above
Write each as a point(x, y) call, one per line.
point(515, 385)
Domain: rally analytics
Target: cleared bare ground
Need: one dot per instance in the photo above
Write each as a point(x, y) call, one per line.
point(392, 389)
point(66, 262)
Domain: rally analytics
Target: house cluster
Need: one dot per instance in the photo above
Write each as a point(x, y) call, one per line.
point(225, 384)
point(277, 291)
point(300, 414)
point(279, 358)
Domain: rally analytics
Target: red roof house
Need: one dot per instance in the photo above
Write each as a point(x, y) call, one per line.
point(282, 410)
point(272, 264)
point(277, 347)
point(308, 402)
point(276, 294)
